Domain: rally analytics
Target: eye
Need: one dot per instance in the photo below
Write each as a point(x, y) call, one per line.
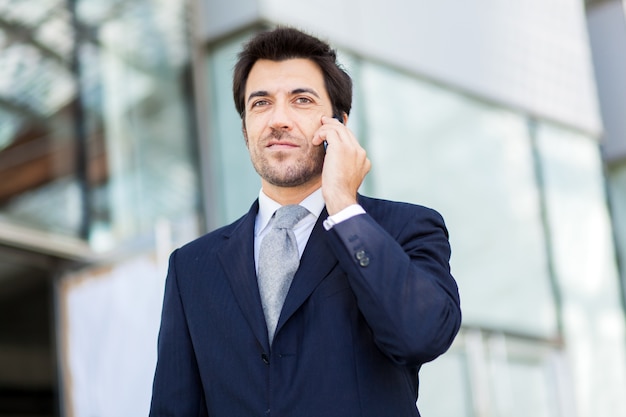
point(259, 103)
point(303, 100)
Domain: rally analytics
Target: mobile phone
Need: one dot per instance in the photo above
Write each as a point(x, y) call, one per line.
point(335, 116)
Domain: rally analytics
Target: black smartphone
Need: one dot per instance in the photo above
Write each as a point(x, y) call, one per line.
point(336, 116)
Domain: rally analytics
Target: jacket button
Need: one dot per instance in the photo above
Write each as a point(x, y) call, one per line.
point(362, 257)
point(265, 358)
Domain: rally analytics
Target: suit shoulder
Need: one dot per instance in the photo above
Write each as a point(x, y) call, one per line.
point(399, 218)
point(212, 239)
point(381, 208)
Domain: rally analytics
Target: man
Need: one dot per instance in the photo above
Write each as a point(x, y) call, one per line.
point(372, 298)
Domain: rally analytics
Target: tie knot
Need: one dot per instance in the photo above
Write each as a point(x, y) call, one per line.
point(287, 217)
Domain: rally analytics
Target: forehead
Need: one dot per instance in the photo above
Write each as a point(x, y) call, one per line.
point(290, 74)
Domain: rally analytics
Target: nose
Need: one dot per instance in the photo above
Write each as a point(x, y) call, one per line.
point(281, 118)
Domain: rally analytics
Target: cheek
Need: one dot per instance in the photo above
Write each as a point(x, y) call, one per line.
point(252, 128)
point(250, 135)
point(310, 128)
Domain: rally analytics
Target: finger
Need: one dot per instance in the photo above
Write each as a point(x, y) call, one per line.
point(331, 120)
point(327, 132)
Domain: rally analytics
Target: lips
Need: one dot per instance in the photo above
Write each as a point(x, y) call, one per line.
point(276, 144)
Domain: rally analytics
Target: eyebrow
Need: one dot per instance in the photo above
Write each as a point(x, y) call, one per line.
point(263, 93)
point(254, 94)
point(305, 90)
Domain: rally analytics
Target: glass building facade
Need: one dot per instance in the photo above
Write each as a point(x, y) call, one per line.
point(119, 141)
point(96, 106)
point(97, 145)
point(524, 199)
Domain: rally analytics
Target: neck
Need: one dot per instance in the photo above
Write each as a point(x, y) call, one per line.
point(290, 195)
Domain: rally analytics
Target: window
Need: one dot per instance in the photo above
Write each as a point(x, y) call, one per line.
point(95, 140)
point(474, 164)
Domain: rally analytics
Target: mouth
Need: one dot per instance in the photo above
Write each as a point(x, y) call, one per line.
point(281, 145)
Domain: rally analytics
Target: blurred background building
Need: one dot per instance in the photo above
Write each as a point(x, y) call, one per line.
point(119, 141)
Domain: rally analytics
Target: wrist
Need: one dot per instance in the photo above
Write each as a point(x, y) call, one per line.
point(335, 204)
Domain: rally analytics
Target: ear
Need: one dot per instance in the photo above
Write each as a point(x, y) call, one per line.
point(341, 117)
point(244, 132)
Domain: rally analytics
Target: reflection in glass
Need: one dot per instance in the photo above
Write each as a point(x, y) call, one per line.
point(584, 265)
point(474, 164)
point(232, 173)
point(617, 189)
point(95, 117)
point(38, 186)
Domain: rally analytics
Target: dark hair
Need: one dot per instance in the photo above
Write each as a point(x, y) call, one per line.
point(285, 43)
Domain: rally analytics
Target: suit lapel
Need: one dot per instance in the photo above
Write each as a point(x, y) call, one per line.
point(237, 258)
point(316, 263)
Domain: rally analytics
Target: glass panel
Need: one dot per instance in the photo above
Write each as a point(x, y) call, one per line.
point(38, 187)
point(94, 119)
point(234, 179)
point(584, 262)
point(474, 164)
point(495, 374)
point(525, 379)
point(134, 90)
point(617, 189)
point(528, 379)
point(444, 386)
point(520, 380)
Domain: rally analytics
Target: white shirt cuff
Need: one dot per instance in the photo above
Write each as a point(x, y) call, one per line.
point(345, 214)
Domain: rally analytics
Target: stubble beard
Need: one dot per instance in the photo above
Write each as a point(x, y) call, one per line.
point(280, 173)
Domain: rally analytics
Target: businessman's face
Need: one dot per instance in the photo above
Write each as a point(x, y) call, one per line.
point(285, 101)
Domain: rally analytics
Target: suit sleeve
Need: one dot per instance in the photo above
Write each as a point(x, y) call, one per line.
point(177, 390)
point(402, 283)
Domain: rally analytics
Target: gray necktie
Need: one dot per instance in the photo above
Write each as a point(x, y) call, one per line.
point(278, 262)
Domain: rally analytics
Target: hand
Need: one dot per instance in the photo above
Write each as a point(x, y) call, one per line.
point(345, 165)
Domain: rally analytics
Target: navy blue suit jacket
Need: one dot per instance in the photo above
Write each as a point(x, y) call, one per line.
point(372, 300)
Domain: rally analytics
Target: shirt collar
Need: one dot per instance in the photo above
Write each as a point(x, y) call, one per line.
point(314, 202)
